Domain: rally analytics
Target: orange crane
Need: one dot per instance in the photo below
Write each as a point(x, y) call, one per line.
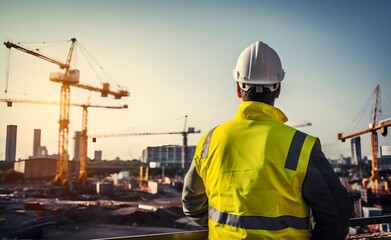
point(83, 137)
point(184, 133)
point(372, 129)
point(70, 77)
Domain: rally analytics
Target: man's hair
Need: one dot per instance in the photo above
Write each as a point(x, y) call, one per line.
point(266, 96)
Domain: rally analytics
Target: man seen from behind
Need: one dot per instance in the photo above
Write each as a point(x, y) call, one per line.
point(254, 177)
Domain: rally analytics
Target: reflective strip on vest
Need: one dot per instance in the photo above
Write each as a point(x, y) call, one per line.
point(258, 222)
point(292, 158)
point(205, 146)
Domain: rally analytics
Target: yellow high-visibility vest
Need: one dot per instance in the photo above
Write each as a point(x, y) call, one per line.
point(253, 168)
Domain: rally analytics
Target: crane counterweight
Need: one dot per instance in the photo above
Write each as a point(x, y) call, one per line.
point(72, 78)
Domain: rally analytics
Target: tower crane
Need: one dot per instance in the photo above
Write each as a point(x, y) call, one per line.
point(70, 77)
point(372, 129)
point(83, 137)
point(184, 134)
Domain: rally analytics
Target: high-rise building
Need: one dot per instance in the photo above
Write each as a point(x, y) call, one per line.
point(10, 146)
point(36, 142)
point(76, 148)
point(356, 150)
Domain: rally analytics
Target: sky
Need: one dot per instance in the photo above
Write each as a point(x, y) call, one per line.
point(176, 59)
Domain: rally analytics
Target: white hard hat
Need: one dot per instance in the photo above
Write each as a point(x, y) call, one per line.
point(258, 66)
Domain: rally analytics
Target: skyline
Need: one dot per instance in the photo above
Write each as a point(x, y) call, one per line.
point(176, 58)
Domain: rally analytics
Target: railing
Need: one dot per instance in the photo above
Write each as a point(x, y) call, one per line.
point(370, 220)
point(188, 235)
point(203, 234)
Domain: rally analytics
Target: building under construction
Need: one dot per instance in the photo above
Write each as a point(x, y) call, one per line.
point(167, 155)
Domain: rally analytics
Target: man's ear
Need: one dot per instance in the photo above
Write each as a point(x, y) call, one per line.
point(278, 91)
point(238, 90)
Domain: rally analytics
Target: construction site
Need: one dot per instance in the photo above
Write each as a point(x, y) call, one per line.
point(84, 198)
point(56, 198)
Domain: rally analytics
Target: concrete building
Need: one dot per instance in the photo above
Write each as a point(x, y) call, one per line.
point(36, 142)
point(98, 155)
point(385, 151)
point(43, 168)
point(356, 150)
point(167, 155)
point(76, 146)
point(10, 146)
point(42, 152)
point(385, 158)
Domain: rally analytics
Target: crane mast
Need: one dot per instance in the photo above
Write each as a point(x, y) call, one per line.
point(83, 145)
point(62, 163)
point(67, 79)
point(374, 139)
point(63, 133)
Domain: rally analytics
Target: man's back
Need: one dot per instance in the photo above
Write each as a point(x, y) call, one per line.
point(248, 178)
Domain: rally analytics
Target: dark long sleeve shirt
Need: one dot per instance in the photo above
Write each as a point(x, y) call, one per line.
point(328, 199)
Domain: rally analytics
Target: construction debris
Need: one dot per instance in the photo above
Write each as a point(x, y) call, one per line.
point(131, 213)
